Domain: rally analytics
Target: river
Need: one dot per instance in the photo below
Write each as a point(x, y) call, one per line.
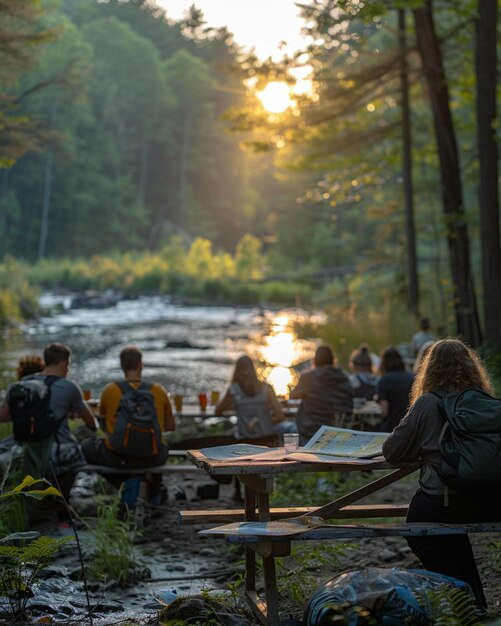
point(188, 349)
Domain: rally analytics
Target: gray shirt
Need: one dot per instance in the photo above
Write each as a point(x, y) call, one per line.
point(65, 397)
point(416, 438)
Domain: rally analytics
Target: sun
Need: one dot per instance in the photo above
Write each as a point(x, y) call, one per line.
point(275, 97)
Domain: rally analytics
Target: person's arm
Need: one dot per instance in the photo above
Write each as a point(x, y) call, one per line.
point(80, 408)
point(278, 412)
point(5, 412)
point(169, 421)
point(385, 408)
point(382, 397)
point(224, 404)
point(88, 417)
point(405, 442)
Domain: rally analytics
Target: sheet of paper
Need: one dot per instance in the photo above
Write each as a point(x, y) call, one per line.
point(343, 442)
point(312, 457)
point(243, 452)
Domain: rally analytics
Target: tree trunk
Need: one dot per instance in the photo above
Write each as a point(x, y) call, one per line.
point(407, 171)
point(183, 165)
point(465, 306)
point(488, 158)
point(44, 225)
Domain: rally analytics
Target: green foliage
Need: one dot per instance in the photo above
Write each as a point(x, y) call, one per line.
point(21, 565)
point(23, 555)
point(297, 574)
point(448, 606)
point(18, 299)
point(113, 557)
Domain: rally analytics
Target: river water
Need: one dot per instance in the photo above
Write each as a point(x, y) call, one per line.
point(187, 349)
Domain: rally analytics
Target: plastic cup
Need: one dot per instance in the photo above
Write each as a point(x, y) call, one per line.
point(214, 397)
point(178, 402)
point(87, 394)
point(202, 401)
point(291, 442)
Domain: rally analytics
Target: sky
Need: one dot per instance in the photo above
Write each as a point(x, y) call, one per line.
point(261, 24)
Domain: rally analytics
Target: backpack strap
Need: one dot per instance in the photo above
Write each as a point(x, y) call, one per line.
point(124, 385)
point(145, 385)
point(441, 393)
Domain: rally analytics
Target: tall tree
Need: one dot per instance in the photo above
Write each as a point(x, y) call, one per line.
point(487, 125)
point(465, 305)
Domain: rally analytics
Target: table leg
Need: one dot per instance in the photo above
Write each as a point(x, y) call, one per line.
point(250, 555)
point(270, 590)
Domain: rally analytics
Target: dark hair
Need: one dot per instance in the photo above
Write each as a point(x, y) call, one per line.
point(451, 365)
point(323, 356)
point(424, 323)
point(245, 376)
point(130, 358)
point(361, 358)
point(29, 364)
point(391, 359)
point(56, 353)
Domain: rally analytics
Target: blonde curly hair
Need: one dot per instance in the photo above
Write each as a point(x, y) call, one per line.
point(451, 365)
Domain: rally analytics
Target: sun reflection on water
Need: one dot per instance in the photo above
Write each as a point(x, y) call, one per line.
point(279, 352)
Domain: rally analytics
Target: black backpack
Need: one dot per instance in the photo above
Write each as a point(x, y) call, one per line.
point(470, 441)
point(30, 410)
point(137, 431)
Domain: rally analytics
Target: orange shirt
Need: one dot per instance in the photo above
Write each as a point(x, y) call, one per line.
point(110, 399)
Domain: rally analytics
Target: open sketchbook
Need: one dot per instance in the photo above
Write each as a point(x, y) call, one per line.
point(341, 442)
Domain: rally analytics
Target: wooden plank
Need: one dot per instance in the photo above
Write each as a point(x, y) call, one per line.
point(159, 469)
point(414, 529)
point(348, 512)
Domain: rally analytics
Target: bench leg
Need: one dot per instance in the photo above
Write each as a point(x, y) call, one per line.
point(270, 589)
point(250, 555)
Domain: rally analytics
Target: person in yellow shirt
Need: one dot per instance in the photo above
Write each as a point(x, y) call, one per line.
point(102, 451)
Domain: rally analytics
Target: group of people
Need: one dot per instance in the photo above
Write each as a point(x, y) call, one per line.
point(327, 394)
point(409, 407)
point(60, 455)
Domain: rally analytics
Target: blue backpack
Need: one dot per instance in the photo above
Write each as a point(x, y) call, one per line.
point(137, 431)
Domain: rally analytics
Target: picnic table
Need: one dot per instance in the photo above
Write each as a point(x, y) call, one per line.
point(257, 474)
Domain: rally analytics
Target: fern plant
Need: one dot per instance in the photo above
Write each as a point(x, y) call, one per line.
point(23, 555)
point(448, 606)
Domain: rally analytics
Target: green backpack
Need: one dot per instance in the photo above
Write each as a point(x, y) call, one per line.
point(470, 440)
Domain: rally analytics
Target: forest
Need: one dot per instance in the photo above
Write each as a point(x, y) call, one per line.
point(136, 151)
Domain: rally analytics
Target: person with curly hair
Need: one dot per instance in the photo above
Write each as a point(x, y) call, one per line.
point(450, 366)
point(28, 365)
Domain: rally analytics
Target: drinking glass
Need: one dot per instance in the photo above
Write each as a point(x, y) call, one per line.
point(291, 442)
point(87, 394)
point(202, 401)
point(214, 397)
point(178, 402)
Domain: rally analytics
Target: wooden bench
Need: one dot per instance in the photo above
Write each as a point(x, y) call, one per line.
point(354, 511)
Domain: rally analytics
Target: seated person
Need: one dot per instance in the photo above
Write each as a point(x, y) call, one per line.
point(420, 337)
point(102, 451)
point(326, 395)
point(393, 389)
point(61, 449)
point(259, 413)
point(448, 366)
point(29, 364)
point(362, 378)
